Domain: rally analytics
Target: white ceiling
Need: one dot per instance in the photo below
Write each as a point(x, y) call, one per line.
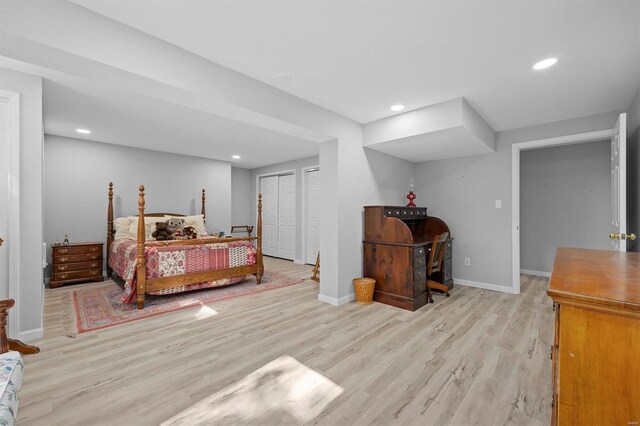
point(358, 58)
point(125, 118)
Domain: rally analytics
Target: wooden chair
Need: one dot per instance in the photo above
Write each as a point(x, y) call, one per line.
point(7, 344)
point(435, 264)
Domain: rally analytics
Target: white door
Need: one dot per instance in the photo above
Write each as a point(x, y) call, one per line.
point(313, 216)
point(269, 190)
point(619, 185)
point(286, 217)
point(4, 199)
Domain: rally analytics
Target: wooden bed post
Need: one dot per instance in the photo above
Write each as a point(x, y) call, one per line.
point(141, 267)
point(259, 242)
point(110, 231)
point(202, 210)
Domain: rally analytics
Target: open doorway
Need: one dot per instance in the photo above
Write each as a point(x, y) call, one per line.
point(517, 148)
point(565, 201)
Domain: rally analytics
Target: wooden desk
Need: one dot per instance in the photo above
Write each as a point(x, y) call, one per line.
point(396, 243)
point(596, 352)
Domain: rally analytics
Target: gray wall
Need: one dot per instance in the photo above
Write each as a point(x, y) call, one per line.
point(633, 172)
point(463, 192)
point(296, 165)
point(565, 201)
point(77, 173)
point(242, 203)
point(31, 297)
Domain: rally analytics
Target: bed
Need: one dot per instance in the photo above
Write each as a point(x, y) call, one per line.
point(155, 267)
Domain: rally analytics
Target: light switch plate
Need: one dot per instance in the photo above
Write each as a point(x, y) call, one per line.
point(498, 204)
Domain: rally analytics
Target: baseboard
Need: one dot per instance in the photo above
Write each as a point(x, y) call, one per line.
point(35, 334)
point(298, 261)
point(536, 273)
point(336, 301)
point(485, 286)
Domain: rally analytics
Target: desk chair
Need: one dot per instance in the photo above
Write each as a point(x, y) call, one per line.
point(435, 264)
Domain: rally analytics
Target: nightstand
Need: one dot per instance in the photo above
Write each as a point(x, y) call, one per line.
point(76, 262)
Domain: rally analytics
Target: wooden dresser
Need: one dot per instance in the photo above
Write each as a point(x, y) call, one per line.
point(596, 352)
point(397, 241)
point(77, 262)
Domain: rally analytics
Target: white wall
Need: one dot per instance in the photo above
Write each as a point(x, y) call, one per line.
point(77, 173)
point(565, 201)
point(242, 204)
point(463, 192)
point(31, 295)
point(633, 172)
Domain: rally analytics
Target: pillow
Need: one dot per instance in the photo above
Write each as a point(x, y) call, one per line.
point(197, 221)
point(149, 227)
point(121, 225)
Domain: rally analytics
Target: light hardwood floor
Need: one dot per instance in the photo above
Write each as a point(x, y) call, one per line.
point(283, 357)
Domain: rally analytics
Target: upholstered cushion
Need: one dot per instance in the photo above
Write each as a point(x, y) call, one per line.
point(11, 373)
point(149, 225)
point(121, 225)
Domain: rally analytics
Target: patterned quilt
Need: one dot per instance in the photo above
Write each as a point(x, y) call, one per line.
point(177, 260)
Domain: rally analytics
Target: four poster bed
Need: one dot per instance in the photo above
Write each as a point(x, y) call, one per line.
point(155, 267)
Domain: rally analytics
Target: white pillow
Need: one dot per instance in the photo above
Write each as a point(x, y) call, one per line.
point(149, 226)
point(122, 228)
point(197, 221)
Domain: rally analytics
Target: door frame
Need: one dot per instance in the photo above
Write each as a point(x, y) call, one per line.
point(516, 148)
point(12, 134)
point(303, 255)
point(295, 202)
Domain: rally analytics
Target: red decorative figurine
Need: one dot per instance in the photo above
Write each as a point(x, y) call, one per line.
point(411, 196)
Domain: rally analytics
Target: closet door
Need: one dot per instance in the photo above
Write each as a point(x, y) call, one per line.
point(269, 190)
point(313, 218)
point(286, 217)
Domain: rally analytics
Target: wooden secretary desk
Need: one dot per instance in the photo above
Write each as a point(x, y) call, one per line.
point(397, 241)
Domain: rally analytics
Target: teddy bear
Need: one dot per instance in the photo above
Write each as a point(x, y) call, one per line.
point(162, 232)
point(175, 223)
point(189, 233)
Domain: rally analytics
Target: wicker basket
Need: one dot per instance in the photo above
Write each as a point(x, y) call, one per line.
point(363, 288)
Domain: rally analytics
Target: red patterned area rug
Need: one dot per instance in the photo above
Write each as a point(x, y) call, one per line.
point(99, 306)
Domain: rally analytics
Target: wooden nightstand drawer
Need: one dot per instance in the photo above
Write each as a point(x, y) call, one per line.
point(64, 276)
point(66, 250)
point(79, 266)
point(76, 258)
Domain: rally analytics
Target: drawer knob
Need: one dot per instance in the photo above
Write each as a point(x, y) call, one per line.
point(63, 259)
point(63, 251)
point(94, 248)
point(94, 272)
point(94, 264)
point(94, 257)
point(63, 276)
point(62, 268)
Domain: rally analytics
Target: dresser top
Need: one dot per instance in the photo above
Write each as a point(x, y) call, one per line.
point(86, 243)
point(601, 277)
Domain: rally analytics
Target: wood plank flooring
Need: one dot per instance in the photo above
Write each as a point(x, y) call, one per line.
point(282, 357)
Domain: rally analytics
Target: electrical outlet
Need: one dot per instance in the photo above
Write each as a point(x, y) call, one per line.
point(467, 261)
point(498, 204)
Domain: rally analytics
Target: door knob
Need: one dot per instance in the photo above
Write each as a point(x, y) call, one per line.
point(1, 241)
point(623, 236)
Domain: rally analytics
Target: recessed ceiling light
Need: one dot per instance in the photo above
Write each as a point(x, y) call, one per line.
point(545, 63)
point(235, 157)
point(83, 131)
point(397, 108)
